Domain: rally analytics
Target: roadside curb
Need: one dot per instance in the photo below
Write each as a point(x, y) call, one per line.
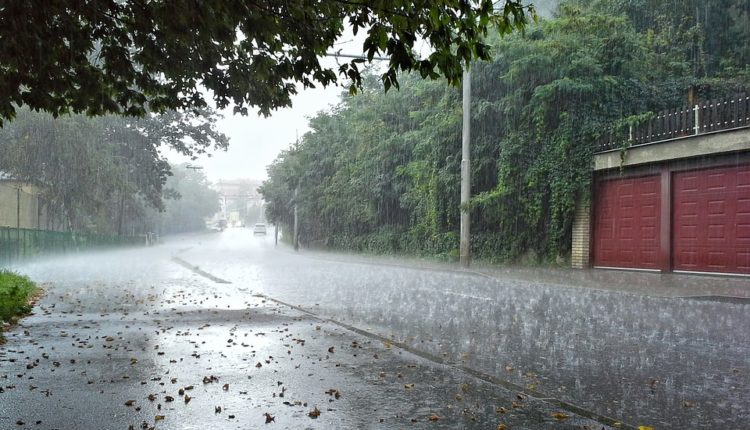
point(722, 298)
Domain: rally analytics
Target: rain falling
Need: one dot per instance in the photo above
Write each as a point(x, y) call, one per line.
point(375, 215)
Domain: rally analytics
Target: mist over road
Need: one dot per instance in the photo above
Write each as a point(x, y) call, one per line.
point(401, 346)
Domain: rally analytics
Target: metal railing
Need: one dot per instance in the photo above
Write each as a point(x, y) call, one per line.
point(17, 244)
point(704, 117)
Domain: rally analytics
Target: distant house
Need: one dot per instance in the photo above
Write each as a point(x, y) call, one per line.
point(673, 194)
point(21, 205)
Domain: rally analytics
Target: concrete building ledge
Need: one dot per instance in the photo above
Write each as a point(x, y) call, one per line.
point(721, 142)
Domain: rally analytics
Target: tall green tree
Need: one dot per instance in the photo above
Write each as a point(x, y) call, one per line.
point(380, 172)
point(189, 201)
point(97, 172)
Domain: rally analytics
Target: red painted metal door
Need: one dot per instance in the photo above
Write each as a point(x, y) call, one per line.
point(626, 223)
point(711, 220)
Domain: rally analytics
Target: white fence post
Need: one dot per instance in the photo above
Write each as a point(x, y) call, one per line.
point(697, 126)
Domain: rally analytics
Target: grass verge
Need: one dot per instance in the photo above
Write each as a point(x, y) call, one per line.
point(16, 292)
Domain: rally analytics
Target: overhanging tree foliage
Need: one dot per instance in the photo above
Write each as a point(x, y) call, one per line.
point(133, 56)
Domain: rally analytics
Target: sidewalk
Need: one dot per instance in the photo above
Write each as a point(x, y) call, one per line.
point(711, 287)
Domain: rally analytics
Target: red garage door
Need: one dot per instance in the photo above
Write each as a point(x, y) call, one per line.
point(711, 220)
point(626, 229)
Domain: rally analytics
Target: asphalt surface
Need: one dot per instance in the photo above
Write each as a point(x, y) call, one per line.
point(291, 333)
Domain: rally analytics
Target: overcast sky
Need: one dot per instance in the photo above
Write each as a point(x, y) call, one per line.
point(254, 141)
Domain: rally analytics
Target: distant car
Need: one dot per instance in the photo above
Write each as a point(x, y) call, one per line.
point(259, 228)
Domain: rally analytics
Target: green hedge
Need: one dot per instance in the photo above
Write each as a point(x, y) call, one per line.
point(15, 292)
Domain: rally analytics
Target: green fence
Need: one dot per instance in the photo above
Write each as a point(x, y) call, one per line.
point(17, 244)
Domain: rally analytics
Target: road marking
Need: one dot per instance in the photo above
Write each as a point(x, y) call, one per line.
point(198, 271)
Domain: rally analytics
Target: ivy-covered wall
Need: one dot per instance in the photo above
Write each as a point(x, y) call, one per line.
point(380, 172)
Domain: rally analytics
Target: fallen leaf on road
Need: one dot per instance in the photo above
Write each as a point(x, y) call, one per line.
point(315, 413)
point(433, 418)
point(159, 418)
point(129, 402)
point(560, 416)
point(269, 417)
point(334, 392)
point(408, 386)
point(501, 427)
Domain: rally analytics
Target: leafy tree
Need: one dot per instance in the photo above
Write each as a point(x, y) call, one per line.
point(190, 200)
point(133, 56)
point(701, 40)
point(381, 172)
point(97, 172)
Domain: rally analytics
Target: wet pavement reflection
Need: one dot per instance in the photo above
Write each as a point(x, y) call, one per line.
point(131, 339)
point(665, 362)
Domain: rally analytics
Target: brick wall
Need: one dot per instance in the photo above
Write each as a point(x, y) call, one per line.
point(580, 257)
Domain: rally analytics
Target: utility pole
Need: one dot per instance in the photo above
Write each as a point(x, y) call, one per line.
point(296, 220)
point(465, 243)
point(465, 233)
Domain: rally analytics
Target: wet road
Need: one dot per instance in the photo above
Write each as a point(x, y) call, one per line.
point(131, 339)
point(666, 362)
point(480, 352)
